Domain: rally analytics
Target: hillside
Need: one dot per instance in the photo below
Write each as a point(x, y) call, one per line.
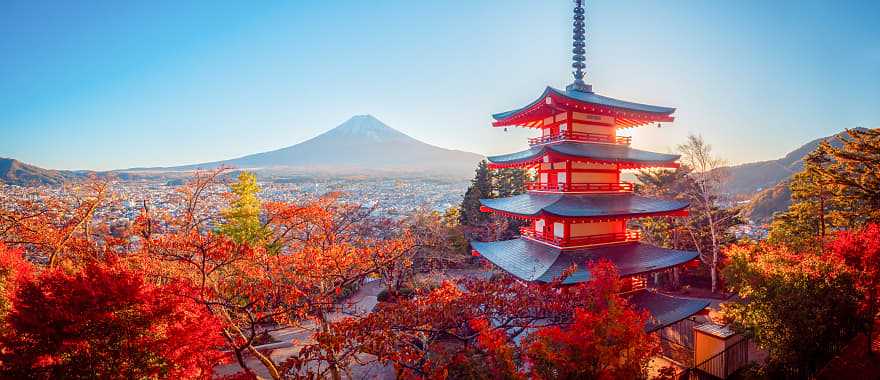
point(767, 202)
point(363, 143)
point(766, 182)
point(14, 172)
point(748, 179)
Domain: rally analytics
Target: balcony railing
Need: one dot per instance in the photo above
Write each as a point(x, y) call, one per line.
point(577, 241)
point(582, 187)
point(581, 136)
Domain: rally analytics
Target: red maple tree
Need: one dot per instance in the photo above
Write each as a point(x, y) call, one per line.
point(106, 322)
point(860, 250)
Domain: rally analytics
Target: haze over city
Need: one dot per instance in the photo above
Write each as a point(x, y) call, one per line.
point(117, 85)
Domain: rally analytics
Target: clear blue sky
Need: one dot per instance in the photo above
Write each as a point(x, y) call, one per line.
point(107, 85)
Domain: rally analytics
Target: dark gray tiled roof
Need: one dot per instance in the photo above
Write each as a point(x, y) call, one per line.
point(666, 310)
point(583, 205)
point(532, 261)
point(594, 151)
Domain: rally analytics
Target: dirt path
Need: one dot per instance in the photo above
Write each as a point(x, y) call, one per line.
point(292, 339)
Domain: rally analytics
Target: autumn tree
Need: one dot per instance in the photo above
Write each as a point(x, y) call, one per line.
point(63, 231)
point(708, 222)
point(693, 232)
point(502, 328)
point(319, 249)
point(241, 221)
point(439, 239)
point(860, 251)
point(14, 271)
point(799, 306)
point(105, 322)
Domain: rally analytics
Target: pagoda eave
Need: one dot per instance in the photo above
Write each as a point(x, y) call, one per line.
point(621, 165)
point(587, 219)
point(622, 156)
point(583, 207)
point(665, 310)
point(553, 101)
point(536, 262)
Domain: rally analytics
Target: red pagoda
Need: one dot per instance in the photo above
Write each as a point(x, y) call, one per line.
point(578, 208)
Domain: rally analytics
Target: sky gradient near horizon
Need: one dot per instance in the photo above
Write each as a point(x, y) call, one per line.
point(113, 84)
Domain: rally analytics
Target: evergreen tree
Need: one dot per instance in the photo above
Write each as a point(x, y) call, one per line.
point(508, 182)
point(481, 187)
point(808, 218)
point(854, 171)
point(242, 219)
point(839, 188)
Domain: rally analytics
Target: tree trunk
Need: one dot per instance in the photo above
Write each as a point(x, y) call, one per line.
point(240, 359)
point(267, 362)
point(713, 272)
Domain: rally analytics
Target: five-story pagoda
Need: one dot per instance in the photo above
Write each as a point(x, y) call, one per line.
point(578, 208)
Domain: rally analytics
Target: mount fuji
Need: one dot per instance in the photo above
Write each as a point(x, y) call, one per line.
point(363, 143)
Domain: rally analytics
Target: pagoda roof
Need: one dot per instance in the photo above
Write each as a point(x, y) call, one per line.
point(665, 309)
point(583, 206)
point(592, 152)
point(553, 101)
point(533, 261)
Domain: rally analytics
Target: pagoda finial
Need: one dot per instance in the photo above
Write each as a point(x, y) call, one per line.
point(578, 49)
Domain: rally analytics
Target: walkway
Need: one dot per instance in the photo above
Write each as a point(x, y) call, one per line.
point(292, 339)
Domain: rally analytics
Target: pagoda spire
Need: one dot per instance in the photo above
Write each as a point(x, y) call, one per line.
point(579, 50)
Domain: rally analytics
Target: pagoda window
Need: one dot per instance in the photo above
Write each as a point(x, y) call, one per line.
point(561, 178)
point(597, 228)
point(539, 225)
point(594, 177)
point(594, 129)
point(558, 230)
point(544, 179)
point(563, 127)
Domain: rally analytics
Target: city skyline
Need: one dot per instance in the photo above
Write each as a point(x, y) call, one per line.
point(123, 85)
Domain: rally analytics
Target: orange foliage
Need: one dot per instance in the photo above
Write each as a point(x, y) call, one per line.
point(472, 329)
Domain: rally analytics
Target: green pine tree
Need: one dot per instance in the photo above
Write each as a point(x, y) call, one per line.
point(839, 188)
point(481, 187)
point(242, 218)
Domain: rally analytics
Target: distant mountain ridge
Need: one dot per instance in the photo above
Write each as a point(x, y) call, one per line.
point(747, 179)
point(361, 143)
point(14, 172)
point(765, 183)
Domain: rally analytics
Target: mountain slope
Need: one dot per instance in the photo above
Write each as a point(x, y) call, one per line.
point(747, 179)
point(768, 202)
point(361, 143)
point(14, 172)
point(766, 183)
